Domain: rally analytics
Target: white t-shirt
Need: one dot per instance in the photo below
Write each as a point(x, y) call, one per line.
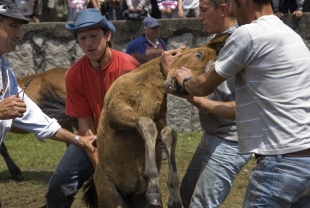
point(271, 65)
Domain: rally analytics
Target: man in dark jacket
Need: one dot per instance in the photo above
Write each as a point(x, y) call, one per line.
point(149, 42)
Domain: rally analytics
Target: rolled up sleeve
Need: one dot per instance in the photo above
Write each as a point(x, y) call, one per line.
point(36, 122)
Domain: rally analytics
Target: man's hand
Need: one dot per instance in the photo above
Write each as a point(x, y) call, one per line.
point(169, 57)
point(298, 14)
point(12, 107)
point(279, 14)
point(181, 74)
point(90, 147)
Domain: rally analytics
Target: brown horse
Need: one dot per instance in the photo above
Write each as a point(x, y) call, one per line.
point(47, 89)
point(132, 123)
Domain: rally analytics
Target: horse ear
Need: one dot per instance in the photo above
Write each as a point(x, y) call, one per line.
point(218, 42)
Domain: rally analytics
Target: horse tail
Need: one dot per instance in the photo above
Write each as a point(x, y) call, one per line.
point(53, 105)
point(90, 197)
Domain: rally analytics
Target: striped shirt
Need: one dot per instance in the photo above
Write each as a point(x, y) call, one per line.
point(271, 65)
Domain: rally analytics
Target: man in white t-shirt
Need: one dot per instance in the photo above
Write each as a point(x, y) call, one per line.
point(271, 66)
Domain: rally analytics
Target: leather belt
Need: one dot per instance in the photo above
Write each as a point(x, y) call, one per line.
point(302, 153)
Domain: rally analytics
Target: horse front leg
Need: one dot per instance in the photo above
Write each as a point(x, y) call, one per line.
point(147, 128)
point(169, 138)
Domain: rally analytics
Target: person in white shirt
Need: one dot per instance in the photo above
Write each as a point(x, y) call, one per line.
point(271, 66)
point(16, 108)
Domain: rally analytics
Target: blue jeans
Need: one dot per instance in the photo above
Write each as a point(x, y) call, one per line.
point(211, 172)
point(72, 171)
point(279, 182)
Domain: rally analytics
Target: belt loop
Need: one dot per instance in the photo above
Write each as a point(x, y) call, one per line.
point(279, 157)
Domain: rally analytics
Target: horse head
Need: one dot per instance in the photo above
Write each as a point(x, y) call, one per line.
point(196, 59)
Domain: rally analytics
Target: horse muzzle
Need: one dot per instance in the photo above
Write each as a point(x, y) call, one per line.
point(172, 86)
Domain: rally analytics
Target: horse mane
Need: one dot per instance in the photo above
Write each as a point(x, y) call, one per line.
point(53, 105)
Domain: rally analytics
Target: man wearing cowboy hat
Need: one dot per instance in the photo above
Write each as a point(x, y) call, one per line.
point(16, 108)
point(87, 82)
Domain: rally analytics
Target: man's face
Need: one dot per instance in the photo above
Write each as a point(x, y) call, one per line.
point(10, 33)
point(211, 18)
point(93, 42)
point(152, 33)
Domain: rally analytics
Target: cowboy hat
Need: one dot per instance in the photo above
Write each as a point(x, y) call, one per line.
point(89, 18)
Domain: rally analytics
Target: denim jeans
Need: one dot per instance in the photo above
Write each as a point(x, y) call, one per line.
point(279, 182)
point(211, 172)
point(72, 171)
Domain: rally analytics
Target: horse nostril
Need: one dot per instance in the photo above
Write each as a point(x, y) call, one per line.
point(167, 85)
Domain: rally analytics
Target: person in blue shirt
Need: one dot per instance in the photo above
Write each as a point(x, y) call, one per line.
point(149, 42)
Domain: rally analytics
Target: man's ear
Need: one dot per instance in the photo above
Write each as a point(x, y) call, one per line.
point(108, 36)
point(224, 9)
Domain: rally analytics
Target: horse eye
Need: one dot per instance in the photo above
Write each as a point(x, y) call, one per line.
point(198, 55)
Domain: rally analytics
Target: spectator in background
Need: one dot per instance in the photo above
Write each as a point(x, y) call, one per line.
point(138, 5)
point(281, 7)
point(155, 10)
point(74, 6)
point(170, 8)
point(27, 8)
point(149, 42)
point(51, 10)
point(188, 5)
point(114, 6)
point(101, 4)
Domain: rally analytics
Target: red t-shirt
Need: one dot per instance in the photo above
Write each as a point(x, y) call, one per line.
point(86, 86)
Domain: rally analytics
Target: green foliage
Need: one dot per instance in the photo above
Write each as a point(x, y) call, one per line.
point(37, 161)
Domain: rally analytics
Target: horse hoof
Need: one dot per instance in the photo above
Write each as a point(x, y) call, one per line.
point(175, 204)
point(154, 200)
point(17, 177)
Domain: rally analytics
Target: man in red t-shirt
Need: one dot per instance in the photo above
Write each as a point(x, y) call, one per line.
point(87, 83)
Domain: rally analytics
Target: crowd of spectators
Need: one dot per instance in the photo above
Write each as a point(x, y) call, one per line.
point(66, 10)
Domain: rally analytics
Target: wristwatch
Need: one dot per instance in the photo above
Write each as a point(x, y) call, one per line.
point(76, 140)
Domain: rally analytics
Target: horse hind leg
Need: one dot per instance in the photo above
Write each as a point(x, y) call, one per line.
point(169, 138)
point(14, 170)
point(148, 131)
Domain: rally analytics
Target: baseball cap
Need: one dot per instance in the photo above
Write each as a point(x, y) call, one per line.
point(150, 22)
point(9, 8)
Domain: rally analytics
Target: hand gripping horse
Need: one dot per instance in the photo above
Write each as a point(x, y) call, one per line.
point(132, 123)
